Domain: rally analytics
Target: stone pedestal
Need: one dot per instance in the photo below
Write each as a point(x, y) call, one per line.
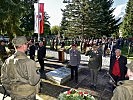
point(61, 55)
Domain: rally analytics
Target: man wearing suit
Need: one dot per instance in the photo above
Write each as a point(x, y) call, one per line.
point(3, 53)
point(41, 55)
point(75, 58)
point(32, 49)
point(94, 64)
point(118, 67)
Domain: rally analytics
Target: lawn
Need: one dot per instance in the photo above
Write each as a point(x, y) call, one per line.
point(125, 52)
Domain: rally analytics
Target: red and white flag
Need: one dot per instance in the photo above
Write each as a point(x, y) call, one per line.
point(39, 18)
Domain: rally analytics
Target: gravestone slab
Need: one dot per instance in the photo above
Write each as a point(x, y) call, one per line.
point(59, 75)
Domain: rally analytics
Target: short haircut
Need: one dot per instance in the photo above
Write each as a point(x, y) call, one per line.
point(118, 50)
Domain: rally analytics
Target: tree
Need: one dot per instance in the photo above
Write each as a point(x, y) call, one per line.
point(55, 30)
point(103, 21)
point(127, 24)
point(90, 18)
point(27, 20)
point(74, 17)
point(47, 30)
point(11, 11)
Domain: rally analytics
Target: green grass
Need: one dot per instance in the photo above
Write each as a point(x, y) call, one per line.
point(125, 52)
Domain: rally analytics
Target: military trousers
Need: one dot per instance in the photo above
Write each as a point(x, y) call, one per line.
point(41, 62)
point(94, 75)
point(74, 72)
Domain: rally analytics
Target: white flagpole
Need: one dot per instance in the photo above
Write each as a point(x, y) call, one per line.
point(38, 22)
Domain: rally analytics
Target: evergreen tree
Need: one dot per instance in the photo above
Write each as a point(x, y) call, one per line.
point(74, 17)
point(127, 24)
point(106, 20)
point(92, 18)
point(27, 20)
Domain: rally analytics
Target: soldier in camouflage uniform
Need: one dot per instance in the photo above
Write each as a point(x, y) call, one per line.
point(94, 64)
point(125, 90)
point(100, 51)
point(19, 74)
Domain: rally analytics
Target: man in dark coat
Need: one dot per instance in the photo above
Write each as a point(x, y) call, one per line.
point(32, 49)
point(41, 55)
point(118, 67)
point(3, 53)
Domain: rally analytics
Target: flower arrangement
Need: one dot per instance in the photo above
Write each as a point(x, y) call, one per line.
point(74, 94)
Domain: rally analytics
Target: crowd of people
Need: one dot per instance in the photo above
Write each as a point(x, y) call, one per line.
point(20, 76)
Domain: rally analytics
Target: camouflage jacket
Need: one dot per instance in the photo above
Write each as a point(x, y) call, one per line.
point(124, 91)
point(94, 60)
point(19, 75)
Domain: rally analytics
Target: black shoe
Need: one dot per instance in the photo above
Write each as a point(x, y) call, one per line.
point(41, 71)
point(76, 81)
point(93, 87)
point(71, 79)
point(43, 75)
point(100, 70)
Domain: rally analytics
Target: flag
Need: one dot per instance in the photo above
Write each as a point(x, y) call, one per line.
point(39, 18)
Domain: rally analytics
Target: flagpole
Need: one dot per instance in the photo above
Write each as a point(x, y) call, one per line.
point(38, 22)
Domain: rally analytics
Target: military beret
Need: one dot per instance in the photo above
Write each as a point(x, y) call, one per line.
point(74, 45)
point(130, 66)
point(17, 41)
